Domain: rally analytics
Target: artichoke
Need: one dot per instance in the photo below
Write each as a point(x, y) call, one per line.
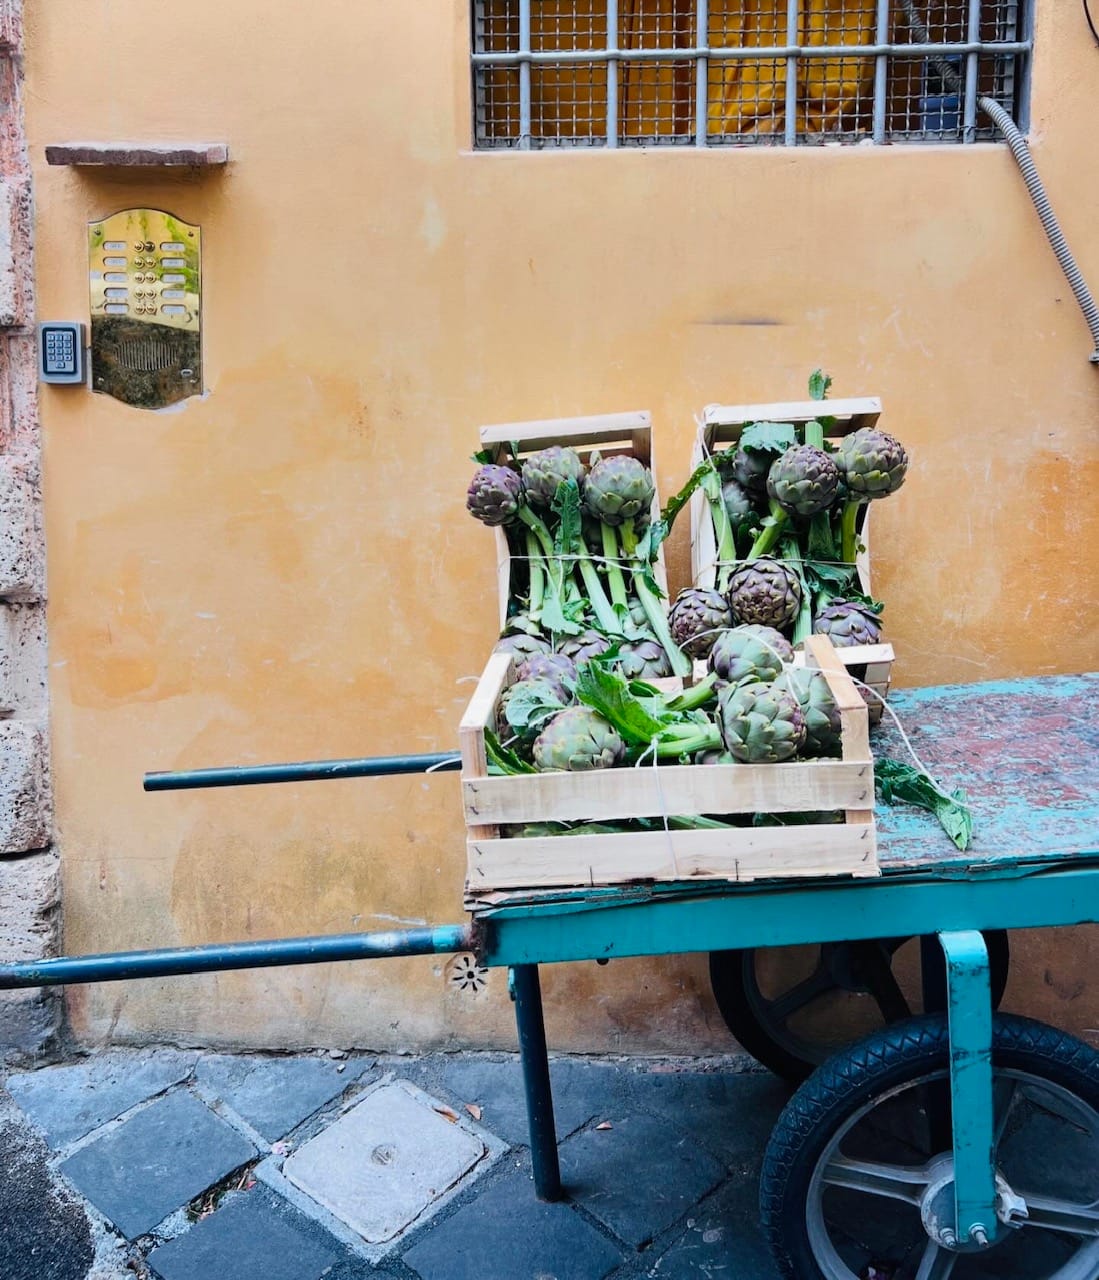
point(760, 723)
point(872, 463)
point(696, 618)
point(643, 659)
point(557, 667)
point(526, 706)
point(822, 716)
point(845, 623)
point(618, 489)
point(765, 592)
point(522, 645)
point(804, 480)
point(750, 468)
point(588, 644)
point(576, 740)
point(740, 504)
point(545, 470)
point(752, 654)
point(495, 494)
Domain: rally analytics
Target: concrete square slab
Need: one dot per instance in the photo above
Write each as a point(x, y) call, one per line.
point(637, 1177)
point(274, 1095)
point(379, 1166)
point(247, 1238)
point(506, 1233)
point(156, 1161)
point(68, 1102)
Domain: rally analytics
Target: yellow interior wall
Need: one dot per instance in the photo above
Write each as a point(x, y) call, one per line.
point(284, 569)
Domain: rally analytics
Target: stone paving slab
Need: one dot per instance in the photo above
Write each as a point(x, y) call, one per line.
point(722, 1240)
point(580, 1091)
point(381, 1164)
point(156, 1162)
point(274, 1095)
point(249, 1237)
point(637, 1177)
point(68, 1102)
point(506, 1233)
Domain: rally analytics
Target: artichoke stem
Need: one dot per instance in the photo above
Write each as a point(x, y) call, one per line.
point(771, 534)
point(847, 528)
point(537, 578)
point(726, 542)
point(814, 433)
point(604, 612)
point(696, 696)
point(538, 528)
point(615, 577)
point(681, 664)
point(706, 739)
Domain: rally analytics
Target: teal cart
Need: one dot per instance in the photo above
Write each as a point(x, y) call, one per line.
point(953, 1143)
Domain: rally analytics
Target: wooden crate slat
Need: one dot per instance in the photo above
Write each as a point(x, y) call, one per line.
point(850, 415)
point(737, 855)
point(672, 790)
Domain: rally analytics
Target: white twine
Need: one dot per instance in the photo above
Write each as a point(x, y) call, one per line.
point(663, 804)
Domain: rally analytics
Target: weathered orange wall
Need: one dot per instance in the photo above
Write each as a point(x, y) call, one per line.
point(284, 569)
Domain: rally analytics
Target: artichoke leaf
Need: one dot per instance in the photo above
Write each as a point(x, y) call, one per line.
point(894, 780)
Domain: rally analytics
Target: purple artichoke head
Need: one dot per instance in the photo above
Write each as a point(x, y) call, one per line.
point(697, 618)
point(872, 463)
point(764, 592)
point(749, 654)
point(803, 480)
point(495, 494)
point(848, 623)
point(822, 716)
point(618, 489)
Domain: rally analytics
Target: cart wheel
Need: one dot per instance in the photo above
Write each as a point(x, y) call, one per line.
point(855, 1182)
point(789, 1024)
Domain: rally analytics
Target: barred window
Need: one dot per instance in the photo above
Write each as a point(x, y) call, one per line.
point(607, 73)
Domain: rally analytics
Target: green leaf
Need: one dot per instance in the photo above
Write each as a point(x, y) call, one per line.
point(821, 544)
point(768, 437)
point(483, 457)
point(526, 707)
point(638, 720)
point(678, 501)
point(658, 531)
point(819, 383)
point(895, 780)
point(502, 760)
point(566, 503)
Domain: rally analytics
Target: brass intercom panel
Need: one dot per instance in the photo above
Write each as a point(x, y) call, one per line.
point(146, 293)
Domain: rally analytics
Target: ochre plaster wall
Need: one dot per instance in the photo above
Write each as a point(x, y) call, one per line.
point(284, 569)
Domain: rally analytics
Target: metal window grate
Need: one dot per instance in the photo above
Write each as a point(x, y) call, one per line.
point(613, 73)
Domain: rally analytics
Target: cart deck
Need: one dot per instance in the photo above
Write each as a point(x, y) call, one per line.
point(1024, 751)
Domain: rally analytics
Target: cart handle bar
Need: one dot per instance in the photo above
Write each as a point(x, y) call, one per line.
point(303, 771)
point(169, 961)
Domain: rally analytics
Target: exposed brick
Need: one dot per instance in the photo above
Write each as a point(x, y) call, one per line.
point(30, 904)
point(22, 553)
point(24, 787)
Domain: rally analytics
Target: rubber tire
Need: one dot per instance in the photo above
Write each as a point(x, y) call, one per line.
point(856, 1075)
point(740, 1016)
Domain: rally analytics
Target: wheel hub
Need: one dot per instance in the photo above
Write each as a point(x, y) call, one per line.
point(938, 1216)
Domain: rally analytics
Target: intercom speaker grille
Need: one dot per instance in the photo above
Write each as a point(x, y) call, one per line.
point(146, 355)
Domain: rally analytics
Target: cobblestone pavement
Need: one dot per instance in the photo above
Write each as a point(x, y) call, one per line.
point(182, 1165)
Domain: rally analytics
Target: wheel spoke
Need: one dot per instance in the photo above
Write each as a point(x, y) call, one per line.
point(895, 1181)
point(806, 991)
point(1005, 1094)
point(937, 1263)
point(882, 984)
point(1051, 1214)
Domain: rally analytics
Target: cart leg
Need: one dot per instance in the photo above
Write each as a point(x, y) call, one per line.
point(536, 1081)
point(969, 1008)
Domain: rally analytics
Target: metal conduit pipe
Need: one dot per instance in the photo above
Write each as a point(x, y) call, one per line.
point(1019, 149)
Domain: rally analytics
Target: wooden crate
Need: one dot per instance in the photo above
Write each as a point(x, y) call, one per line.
point(610, 434)
point(720, 428)
point(500, 861)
